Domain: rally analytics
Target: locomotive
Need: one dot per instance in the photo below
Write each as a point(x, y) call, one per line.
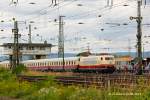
point(92, 63)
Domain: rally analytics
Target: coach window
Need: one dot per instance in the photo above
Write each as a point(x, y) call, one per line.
point(9, 47)
point(101, 58)
point(71, 62)
point(68, 62)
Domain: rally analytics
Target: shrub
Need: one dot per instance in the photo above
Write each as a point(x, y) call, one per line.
point(19, 69)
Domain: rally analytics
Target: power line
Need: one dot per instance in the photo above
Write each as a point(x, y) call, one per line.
point(51, 9)
point(87, 13)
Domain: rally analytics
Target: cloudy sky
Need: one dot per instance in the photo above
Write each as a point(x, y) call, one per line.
point(105, 27)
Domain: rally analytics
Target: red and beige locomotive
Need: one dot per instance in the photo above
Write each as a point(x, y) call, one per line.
point(92, 63)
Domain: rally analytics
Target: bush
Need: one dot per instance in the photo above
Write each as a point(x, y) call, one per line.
point(19, 69)
point(49, 90)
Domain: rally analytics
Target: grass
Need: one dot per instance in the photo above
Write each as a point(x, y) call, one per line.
point(49, 90)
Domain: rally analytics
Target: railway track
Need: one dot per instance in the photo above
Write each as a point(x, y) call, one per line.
point(104, 81)
point(32, 78)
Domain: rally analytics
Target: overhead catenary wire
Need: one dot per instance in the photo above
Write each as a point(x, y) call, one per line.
point(105, 11)
point(54, 9)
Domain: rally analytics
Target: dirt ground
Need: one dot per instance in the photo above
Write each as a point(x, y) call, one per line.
point(39, 73)
point(8, 98)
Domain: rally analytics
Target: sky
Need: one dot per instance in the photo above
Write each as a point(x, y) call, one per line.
point(105, 27)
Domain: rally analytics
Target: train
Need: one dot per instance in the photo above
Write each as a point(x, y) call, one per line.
point(92, 63)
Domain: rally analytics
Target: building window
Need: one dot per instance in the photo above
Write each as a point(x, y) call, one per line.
point(9, 47)
point(42, 48)
point(32, 48)
point(20, 48)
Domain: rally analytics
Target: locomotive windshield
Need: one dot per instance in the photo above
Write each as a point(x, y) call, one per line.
point(109, 58)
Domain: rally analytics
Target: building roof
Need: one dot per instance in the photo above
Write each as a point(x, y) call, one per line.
point(31, 44)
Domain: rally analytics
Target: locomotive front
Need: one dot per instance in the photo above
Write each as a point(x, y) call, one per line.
point(100, 63)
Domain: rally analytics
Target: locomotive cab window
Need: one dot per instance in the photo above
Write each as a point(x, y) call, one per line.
point(108, 58)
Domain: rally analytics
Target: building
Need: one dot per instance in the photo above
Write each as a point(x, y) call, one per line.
point(36, 50)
